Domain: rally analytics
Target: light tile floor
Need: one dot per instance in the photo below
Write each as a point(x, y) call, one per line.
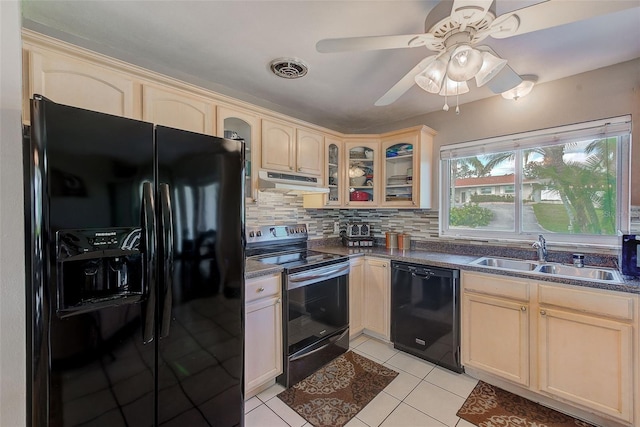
point(422, 395)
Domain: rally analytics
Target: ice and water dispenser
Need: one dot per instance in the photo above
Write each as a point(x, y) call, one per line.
point(98, 268)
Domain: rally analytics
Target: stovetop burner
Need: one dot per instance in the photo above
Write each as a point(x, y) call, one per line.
point(297, 260)
point(286, 246)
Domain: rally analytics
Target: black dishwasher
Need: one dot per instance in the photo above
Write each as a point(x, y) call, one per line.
point(425, 313)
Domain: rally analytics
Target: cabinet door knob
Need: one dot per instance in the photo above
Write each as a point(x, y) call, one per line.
point(261, 289)
point(290, 168)
point(299, 169)
point(278, 301)
point(523, 308)
point(543, 312)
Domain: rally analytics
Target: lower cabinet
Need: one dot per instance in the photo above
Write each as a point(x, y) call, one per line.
point(377, 297)
point(495, 326)
point(585, 349)
point(263, 332)
point(572, 345)
point(356, 296)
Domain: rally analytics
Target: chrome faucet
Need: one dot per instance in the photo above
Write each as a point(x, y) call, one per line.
point(541, 246)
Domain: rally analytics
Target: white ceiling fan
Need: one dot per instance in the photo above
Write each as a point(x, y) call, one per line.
point(454, 29)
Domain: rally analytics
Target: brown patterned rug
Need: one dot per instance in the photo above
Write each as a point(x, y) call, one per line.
point(338, 391)
point(491, 406)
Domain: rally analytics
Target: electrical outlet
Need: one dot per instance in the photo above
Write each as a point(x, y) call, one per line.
point(336, 227)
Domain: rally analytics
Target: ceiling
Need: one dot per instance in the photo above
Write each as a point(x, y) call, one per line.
point(226, 46)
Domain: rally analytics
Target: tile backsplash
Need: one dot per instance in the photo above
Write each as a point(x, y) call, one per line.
point(422, 225)
point(277, 208)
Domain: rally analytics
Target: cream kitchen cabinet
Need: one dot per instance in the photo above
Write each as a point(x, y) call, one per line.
point(377, 297)
point(177, 109)
point(356, 296)
point(495, 325)
point(242, 124)
point(67, 80)
point(361, 170)
point(585, 349)
point(263, 332)
point(570, 347)
point(335, 177)
point(406, 168)
point(309, 152)
point(289, 150)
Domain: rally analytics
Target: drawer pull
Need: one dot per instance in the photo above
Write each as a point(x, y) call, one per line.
point(523, 308)
point(543, 312)
point(261, 289)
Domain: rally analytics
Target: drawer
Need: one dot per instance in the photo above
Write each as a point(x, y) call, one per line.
point(262, 287)
point(595, 302)
point(493, 284)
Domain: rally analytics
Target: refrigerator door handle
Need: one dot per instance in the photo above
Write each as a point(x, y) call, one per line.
point(148, 222)
point(166, 223)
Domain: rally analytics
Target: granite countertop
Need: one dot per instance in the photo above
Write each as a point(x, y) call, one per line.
point(253, 268)
point(447, 260)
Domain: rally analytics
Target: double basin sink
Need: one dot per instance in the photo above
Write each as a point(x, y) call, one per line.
point(601, 274)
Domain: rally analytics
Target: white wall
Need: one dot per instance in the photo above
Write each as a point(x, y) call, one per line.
point(598, 94)
point(12, 277)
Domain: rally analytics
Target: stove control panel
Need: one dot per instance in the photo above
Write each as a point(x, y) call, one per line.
point(276, 233)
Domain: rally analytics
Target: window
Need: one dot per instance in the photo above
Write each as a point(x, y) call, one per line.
point(570, 184)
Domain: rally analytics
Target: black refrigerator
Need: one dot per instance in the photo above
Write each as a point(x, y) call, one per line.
point(135, 272)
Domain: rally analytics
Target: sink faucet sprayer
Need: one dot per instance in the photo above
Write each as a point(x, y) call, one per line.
point(541, 246)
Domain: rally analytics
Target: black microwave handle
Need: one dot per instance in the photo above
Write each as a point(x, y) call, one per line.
point(148, 222)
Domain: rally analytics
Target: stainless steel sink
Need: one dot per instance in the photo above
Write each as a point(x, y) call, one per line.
point(601, 274)
point(506, 263)
point(590, 273)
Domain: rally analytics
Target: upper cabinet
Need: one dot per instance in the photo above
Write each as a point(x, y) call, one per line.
point(309, 152)
point(406, 168)
point(78, 83)
point(391, 170)
point(278, 146)
point(362, 172)
point(234, 123)
point(334, 152)
point(289, 150)
point(177, 109)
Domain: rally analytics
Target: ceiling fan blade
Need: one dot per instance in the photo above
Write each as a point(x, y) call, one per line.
point(348, 44)
point(405, 83)
point(468, 12)
point(506, 79)
point(552, 13)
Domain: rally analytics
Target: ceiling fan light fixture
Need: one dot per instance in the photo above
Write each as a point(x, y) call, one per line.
point(523, 89)
point(433, 75)
point(491, 66)
point(465, 62)
point(453, 88)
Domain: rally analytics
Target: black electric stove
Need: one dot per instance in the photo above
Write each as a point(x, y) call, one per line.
point(315, 315)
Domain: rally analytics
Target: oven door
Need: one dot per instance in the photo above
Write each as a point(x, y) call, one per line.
point(317, 305)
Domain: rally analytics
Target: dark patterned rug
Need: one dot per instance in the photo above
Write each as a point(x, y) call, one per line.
point(338, 391)
point(491, 406)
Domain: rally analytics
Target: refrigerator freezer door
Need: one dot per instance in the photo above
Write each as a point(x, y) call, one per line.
point(200, 180)
point(85, 171)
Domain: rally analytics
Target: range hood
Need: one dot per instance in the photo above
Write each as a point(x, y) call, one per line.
point(288, 183)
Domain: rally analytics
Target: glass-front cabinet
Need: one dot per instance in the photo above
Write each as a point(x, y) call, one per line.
point(361, 173)
point(234, 123)
point(406, 168)
point(335, 177)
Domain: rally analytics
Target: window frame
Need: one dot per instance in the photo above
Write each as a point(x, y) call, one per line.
point(617, 126)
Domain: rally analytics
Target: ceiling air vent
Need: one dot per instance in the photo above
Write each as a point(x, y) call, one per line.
point(288, 68)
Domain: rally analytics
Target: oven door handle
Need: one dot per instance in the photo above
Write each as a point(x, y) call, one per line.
point(316, 275)
point(307, 353)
